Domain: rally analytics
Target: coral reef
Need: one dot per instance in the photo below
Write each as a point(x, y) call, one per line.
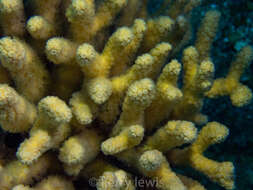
point(89, 81)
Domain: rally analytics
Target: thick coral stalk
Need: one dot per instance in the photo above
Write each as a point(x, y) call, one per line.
point(240, 94)
point(79, 150)
point(166, 97)
point(12, 17)
point(220, 172)
point(25, 67)
point(206, 33)
point(50, 129)
point(128, 131)
point(16, 113)
point(15, 172)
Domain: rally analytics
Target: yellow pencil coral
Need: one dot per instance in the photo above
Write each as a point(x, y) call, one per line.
point(104, 175)
point(240, 94)
point(12, 17)
point(115, 180)
point(21, 187)
point(97, 78)
point(190, 183)
point(146, 65)
point(39, 28)
point(15, 172)
point(17, 114)
point(78, 150)
point(148, 159)
point(166, 97)
point(129, 131)
point(82, 15)
point(50, 129)
point(60, 50)
point(212, 133)
point(197, 80)
point(45, 23)
point(54, 182)
point(25, 67)
point(50, 183)
point(154, 164)
point(206, 34)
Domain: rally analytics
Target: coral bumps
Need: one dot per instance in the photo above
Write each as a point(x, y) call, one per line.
point(87, 79)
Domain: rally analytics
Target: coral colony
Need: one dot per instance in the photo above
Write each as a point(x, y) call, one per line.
point(87, 80)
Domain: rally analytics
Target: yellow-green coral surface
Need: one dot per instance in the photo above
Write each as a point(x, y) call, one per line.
point(86, 82)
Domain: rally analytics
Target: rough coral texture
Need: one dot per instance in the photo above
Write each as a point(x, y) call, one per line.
point(85, 81)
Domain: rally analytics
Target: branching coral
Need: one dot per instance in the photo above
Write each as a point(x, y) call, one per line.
point(50, 129)
point(240, 94)
point(87, 79)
